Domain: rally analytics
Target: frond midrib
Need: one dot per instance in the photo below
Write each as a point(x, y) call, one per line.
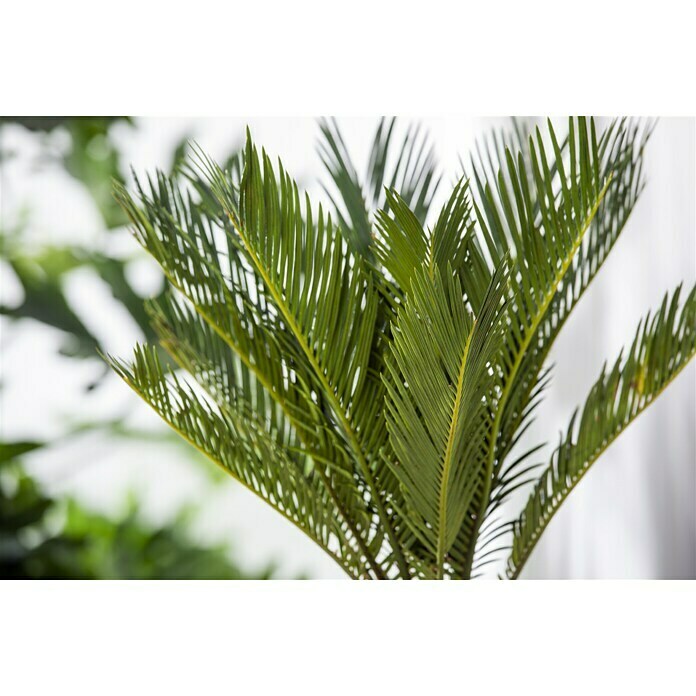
point(556, 329)
point(447, 462)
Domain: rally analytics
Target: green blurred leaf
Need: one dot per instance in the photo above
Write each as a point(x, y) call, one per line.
point(12, 450)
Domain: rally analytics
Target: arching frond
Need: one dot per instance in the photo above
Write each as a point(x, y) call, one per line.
point(618, 157)
point(620, 153)
point(238, 442)
point(302, 264)
point(662, 347)
point(208, 266)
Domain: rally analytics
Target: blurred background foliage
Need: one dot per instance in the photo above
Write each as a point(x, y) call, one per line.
point(42, 536)
point(92, 158)
point(46, 538)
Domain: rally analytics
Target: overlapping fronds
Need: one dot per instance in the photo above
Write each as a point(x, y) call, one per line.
point(402, 244)
point(617, 160)
point(662, 347)
point(620, 159)
point(406, 164)
point(542, 217)
point(237, 441)
point(369, 379)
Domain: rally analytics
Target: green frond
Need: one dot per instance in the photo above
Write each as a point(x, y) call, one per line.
point(402, 244)
point(439, 389)
point(238, 442)
point(203, 264)
point(620, 154)
point(411, 170)
point(209, 266)
point(303, 262)
point(662, 347)
point(618, 157)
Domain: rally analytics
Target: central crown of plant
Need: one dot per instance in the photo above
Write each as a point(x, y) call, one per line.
point(371, 379)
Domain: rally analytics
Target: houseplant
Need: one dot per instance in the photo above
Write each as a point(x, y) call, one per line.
point(370, 379)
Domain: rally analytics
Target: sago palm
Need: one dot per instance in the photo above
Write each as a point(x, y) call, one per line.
point(369, 376)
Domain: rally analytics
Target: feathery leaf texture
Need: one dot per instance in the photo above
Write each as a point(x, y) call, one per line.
point(369, 379)
point(412, 172)
point(438, 408)
point(662, 347)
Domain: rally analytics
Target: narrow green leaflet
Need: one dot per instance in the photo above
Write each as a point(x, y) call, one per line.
point(402, 244)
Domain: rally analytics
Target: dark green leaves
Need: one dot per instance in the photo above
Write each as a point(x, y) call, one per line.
point(13, 450)
point(238, 441)
point(619, 158)
point(402, 244)
point(256, 278)
point(45, 538)
point(411, 170)
point(368, 379)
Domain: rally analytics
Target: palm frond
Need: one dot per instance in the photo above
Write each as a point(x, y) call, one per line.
point(302, 263)
point(206, 264)
point(618, 157)
point(440, 388)
point(662, 347)
point(240, 444)
point(402, 244)
point(620, 153)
